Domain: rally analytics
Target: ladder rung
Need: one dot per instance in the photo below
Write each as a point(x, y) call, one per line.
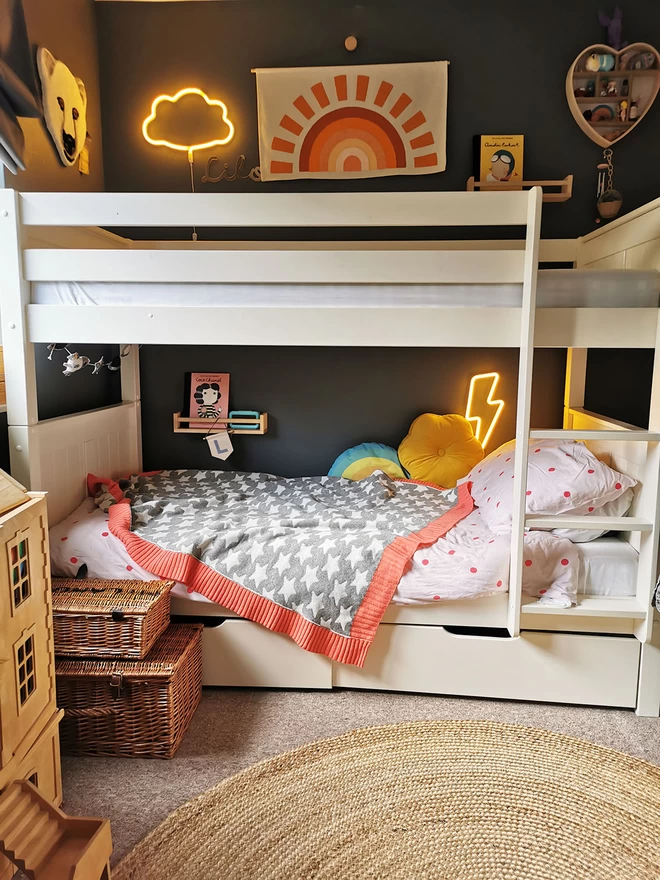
point(561, 434)
point(591, 606)
point(597, 523)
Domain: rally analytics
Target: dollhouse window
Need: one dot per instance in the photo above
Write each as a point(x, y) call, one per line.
point(25, 669)
point(19, 567)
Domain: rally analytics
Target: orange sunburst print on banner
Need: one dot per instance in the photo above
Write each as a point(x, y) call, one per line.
point(352, 123)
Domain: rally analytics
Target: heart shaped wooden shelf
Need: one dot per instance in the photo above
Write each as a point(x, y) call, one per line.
point(584, 91)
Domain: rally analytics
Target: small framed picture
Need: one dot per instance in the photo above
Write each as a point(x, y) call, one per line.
point(209, 398)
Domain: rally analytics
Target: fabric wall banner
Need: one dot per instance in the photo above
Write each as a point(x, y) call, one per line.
point(370, 120)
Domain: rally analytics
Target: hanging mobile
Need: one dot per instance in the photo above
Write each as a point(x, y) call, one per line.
point(55, 346)
point(608, 199)
point(75, 361)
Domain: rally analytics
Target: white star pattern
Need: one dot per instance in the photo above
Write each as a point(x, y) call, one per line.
point(376, 546)
point(339, 591)
point(282, 563)
point(288, 588)
point(259, 574)
point(310, 577)
point(232, 559)
point(361, 580)
point(305, 553)
point(331, 566)
point(255, 551)
point(282, 541)
point(328, 544)
point(315, 603)
point(355, 556)
point(344, 617)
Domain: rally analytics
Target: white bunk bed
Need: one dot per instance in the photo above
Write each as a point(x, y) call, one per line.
point(605, 650)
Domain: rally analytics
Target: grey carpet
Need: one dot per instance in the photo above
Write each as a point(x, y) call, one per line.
point(235, 728)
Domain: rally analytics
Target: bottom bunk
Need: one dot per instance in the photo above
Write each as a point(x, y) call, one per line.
point(591, 652)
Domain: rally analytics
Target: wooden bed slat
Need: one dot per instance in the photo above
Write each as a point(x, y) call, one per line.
point(275, 209)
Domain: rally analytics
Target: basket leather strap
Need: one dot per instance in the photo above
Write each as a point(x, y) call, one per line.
point(98, 712)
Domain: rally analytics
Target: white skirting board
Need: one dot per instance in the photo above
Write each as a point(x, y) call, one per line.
point(548, 667)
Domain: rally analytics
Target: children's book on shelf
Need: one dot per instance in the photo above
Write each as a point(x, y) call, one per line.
point(209, 398)
point(499, 158)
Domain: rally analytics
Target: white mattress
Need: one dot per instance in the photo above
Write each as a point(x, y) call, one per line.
point(557, 288)
point(608, 567)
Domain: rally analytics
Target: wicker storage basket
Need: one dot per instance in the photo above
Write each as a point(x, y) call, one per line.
point(95, 618)
point(132, 708)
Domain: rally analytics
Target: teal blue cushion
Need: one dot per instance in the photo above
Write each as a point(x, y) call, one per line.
point(361, 461)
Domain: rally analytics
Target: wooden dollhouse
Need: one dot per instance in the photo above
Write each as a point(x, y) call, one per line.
point(34, 835)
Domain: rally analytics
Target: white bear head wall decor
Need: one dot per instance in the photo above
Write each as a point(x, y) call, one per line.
point(65, 106)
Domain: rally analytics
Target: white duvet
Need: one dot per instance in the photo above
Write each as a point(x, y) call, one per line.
point(472, 561)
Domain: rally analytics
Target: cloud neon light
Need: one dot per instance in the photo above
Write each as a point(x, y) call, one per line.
point(480, 400)
point(187, 148)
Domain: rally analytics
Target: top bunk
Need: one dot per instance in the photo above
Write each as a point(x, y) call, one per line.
point(76, 278)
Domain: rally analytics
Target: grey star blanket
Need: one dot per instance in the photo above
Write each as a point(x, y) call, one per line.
point(318, 558)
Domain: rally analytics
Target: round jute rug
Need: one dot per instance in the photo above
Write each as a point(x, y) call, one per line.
point(457, 800)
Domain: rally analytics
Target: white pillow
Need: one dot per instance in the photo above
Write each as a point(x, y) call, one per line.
point(619, 507)
point(562, 477)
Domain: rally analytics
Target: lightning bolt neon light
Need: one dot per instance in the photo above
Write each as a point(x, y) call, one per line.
point(478, 384)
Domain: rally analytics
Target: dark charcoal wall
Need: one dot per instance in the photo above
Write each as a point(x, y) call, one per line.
point(323, 400)
point(619, 384)
point(507, 73)
point(59, 395)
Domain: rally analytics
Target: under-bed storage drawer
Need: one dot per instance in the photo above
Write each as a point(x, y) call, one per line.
point(554, 667)
point(243, 654)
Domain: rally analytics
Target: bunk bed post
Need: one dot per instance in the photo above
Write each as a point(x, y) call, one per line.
point(648, 693)
point(18, 352)
point(576, 376)
point(130, 391)
point(525, 367)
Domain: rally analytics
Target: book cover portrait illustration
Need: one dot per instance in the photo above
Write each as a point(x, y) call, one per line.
point(209, 398)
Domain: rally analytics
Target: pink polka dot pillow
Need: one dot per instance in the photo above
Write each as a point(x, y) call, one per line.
point(562, 477)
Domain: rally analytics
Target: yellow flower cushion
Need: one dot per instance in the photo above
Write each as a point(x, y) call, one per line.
point(440, 449)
